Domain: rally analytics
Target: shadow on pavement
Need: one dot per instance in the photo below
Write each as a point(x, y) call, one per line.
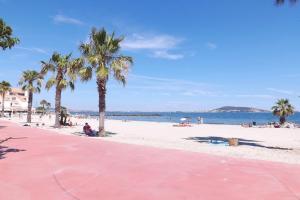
point(253, 143)
point(5, 149)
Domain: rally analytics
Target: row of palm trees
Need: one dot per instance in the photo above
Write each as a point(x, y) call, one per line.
point(100, 57)
point(282, 108)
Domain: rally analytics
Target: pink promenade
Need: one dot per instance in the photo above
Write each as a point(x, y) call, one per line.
point(41, 165)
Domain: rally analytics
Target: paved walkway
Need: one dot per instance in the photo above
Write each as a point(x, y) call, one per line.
point(42, 165)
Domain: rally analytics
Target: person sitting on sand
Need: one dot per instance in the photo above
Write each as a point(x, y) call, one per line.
point(69, 122)
point(88, 130)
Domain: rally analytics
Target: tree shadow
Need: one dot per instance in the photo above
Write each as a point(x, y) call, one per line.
point(242, 142)
point(109, 134)
point(11, 138)
point(5, 149)
point(1, 127)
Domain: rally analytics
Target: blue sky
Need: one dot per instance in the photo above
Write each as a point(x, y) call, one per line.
point(189, 55)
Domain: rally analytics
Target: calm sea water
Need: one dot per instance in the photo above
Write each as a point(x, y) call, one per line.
point(210, 118)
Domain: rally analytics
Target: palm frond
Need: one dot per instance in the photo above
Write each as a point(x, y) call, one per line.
point(280, 2)
point(63, 84)
point(85, 73)
point(50, 83)
point(72, 85)
point(31, 80)
point(46, 67)
point(102, 72)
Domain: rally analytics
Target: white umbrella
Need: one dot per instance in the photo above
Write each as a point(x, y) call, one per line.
point(183, 119)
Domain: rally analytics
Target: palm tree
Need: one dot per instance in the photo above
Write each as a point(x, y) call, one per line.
point(65, 70)
point(283, 109)
point(279, 2)
point(6, 39)
point(31, 81)
point(4, 88)
point(44, 105)
point(102, 53)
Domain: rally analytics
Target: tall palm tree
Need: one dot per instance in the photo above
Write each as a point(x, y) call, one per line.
point(283, 109)
point(31, 81)
point(6, 39)
point(102, 53)
point(4, 88)
point(64, 73)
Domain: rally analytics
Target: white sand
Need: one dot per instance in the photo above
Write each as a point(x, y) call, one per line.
point(282, 145)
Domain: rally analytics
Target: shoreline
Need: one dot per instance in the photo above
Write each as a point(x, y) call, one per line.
point(279, 145)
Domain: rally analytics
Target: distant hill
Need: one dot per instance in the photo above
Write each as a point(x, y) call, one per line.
point(237, 109)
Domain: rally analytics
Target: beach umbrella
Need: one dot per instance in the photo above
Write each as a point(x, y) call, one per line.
point(183, 119)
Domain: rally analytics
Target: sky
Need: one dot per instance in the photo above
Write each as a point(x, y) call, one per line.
point(189, 55)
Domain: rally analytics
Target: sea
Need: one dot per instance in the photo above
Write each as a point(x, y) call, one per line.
point(231, 118)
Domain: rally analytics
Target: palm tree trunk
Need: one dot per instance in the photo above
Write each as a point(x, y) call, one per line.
point(30, 97)
point(43, 112)
point(57, 107)
point(101, 92)
point(282, 120)
point(2, 112)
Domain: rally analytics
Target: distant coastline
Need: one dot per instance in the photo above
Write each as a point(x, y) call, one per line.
point(239, 109)
point(232, 118)
point(232, 109)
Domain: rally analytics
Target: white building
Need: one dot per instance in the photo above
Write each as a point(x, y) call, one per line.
point(15, 101)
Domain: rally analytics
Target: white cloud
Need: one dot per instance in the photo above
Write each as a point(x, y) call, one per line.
point(66, 20)
point(167, 80)
point(170, 86)
point(33, 49)
point(167, 55)
point(211, 45)
point(288, 92)
point(140, 42)
point(159, 46)
point(197, 92)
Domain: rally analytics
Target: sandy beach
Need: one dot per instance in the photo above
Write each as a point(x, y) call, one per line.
point(280, 145)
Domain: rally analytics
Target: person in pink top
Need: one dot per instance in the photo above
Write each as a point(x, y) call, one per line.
point(88, 130)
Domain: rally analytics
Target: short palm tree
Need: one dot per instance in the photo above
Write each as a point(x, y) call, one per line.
point(43, 103)
point(4, 88)
point(45, 106)
point(65, 71)
point(102, 53)
point(283, 109)
point(31, 81)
